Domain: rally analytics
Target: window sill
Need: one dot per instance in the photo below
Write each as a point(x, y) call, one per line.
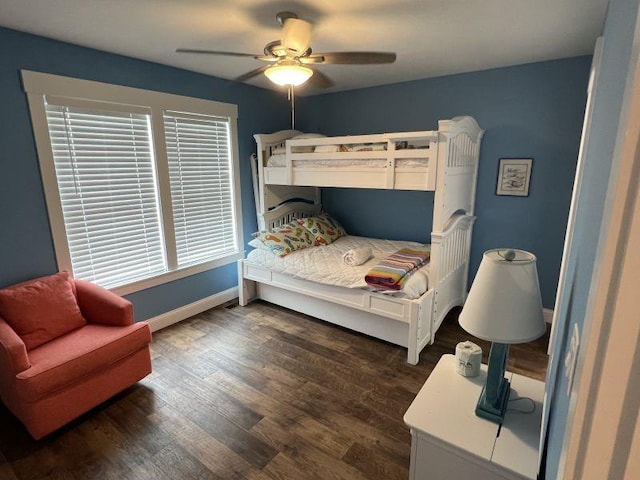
point(176, 274)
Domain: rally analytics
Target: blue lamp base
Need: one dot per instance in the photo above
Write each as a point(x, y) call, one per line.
point(493, 400)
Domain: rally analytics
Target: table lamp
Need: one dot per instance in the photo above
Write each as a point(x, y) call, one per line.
point(503, 307)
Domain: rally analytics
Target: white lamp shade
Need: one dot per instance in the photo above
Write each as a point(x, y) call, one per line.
point(504, 304)
point(288, 73)
point(296, 35)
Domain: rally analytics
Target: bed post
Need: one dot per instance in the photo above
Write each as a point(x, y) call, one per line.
point(413, 352)
point(420, 328)
point(413, 356)
point(435, 279)
point(246, 288)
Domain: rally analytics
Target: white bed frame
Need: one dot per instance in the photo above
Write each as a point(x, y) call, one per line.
point(451, 168)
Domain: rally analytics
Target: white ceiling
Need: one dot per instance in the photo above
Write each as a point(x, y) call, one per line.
point(431, 37)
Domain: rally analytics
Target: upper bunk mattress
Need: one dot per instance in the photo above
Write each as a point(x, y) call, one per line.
point(280, 160)
point(324, 264)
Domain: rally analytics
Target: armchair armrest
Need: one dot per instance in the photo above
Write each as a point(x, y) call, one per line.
point(99, 305)
point(13, 352)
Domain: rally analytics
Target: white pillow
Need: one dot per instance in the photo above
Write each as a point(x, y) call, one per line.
point(416, 285)
point(258, 244)
point(306, 148)
point(278, 151)
point(308, 135)
point(327, 148)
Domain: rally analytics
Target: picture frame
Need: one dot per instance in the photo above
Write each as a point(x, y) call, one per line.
point(514, 176)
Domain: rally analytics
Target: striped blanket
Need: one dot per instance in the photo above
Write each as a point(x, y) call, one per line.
point(392, 272)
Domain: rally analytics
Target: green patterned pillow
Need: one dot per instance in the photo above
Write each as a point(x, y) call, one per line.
point(334, 223)
point(324, 228)
point(286, 239)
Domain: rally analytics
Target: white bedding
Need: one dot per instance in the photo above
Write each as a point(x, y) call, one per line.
point(280, 160)
point(324, 264)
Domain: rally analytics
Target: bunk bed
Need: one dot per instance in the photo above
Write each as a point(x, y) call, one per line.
point(291, 167)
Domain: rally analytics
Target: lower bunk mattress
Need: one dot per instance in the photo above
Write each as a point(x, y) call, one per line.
point(324, 264)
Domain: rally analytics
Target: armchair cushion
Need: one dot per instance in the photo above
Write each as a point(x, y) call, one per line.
point(42, 309)
point(79, 354)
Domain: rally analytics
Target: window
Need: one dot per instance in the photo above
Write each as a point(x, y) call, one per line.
point(141, 186)
point(105, 174)
point(201, 194)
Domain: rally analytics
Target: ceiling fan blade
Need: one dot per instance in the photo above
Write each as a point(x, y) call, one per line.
point(320, 80)
point(311, 59)
point(217, 52)
point(352, 58)
point(251, 74)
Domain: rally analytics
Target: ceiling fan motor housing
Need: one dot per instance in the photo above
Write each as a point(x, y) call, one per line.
point(296, 35)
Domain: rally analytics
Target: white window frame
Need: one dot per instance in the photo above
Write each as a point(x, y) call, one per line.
point(38, 86)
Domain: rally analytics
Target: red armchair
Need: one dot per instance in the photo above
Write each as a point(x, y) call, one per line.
point(65, 347)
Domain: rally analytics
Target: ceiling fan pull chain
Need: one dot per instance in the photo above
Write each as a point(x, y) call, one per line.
point(291, 97)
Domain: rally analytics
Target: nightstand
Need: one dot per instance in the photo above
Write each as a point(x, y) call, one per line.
point(448, 440)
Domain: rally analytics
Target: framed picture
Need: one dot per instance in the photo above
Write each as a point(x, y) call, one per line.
point(514, 175)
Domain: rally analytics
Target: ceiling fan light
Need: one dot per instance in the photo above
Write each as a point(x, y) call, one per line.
point(288, 74)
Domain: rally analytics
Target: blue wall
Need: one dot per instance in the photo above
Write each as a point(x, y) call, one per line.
point(598, 162)
point(533, 110)
point(26, 248)
point(530, 111)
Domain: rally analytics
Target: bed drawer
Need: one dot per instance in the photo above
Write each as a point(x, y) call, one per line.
point(389, 307)
point(257, 273)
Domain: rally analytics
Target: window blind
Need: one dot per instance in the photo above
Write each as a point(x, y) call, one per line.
point(200, 176)
point(106, 179)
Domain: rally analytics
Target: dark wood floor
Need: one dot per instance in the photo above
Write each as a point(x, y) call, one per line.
point(258, 392)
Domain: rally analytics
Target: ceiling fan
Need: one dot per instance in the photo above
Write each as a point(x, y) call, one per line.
point(290, 57)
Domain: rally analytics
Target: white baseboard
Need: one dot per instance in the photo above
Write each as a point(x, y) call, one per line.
point(548, 315)
point(186, 311)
